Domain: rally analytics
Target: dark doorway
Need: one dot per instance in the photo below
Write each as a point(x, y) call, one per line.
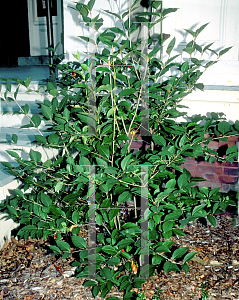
point(14, 37)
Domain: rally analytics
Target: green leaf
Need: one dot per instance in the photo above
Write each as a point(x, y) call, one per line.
point(159, 140)
point(168, 11)
point(117, 30)
point(185, 268)
point(191, 32)
point(212, 220)
point(50, 86)
point(182, 180)
point(184, 67)
point(232, 149)
point(113, 14)
point(189, 50)
point(173, 216)
point(13, 154)
point(200, 86)
point(223, 127)
point(35, 155)
point(113, 261)
point(103, 69)
point(200, 29)
point(103, 150)
point(25, 108)
point(64, 246)
point(75, 217)
point(29, 228)
point(179, 252)
point(46, 200)
point(189, 256)
point(19, 193)
point(106, 87)
point(112, 214)
point(27, 82)
point(36, 120)
point(198, 208)
point(157, 259)
point(96, 290)
point(106, 273)
point(53, 139)
point(106, 41)
point(12, 210)
point(125, 162)
point(109, 250)
point(124, 285)
point(169, 266)
point(125, 196)
point(178, 232)
point(54, 92)
point(170, 184)
point(79, 242)
point(224, 51)
point(55, 249)
point(89, 283)
point(14, 138)
point(58, 186)
point(47, 112)
point(168, 225)
point(127, 92)
point(237, 125)
point(123, 243)
point(171, 46)
point(98, 219)
point(154, 52)
point(90, 4)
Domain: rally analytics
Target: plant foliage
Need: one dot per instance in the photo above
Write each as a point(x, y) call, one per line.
point(98, 108)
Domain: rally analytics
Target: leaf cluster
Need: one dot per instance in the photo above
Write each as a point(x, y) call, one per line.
point(97, 110)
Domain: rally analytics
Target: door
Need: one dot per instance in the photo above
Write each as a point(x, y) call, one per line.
point(14, 37)
point(38, 26)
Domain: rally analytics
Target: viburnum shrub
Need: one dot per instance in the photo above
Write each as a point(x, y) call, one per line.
point(133, 202)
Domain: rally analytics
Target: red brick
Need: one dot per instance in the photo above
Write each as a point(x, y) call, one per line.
point(190, 159)
point(233, 139)
point(228, 164)
point(231, 171)
point(213, 145)
point(228, 179)
point(225, 188)
point(210, 177)
point(195, 174)
point(210, 184)
point(136, 145)
point(210, 169)
point(189, 166)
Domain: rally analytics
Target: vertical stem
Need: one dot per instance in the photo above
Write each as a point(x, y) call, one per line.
point(135, 208)
point(114, 109)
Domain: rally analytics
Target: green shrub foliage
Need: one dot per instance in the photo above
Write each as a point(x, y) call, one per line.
point(97, 109)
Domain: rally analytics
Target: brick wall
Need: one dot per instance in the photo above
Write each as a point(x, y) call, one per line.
point(218, 174)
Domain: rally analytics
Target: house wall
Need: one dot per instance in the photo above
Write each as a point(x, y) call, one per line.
point(221, 80)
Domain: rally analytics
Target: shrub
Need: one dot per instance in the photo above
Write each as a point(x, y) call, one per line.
point(98, 107)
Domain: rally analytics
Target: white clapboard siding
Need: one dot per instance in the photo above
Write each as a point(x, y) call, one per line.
point(10, 124)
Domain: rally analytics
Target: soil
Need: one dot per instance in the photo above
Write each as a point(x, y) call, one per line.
point(29, 271)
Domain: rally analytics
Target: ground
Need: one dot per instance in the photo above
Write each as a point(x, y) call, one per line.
point(29, 271)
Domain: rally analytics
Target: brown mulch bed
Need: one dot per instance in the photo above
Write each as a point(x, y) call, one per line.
point(28, 271)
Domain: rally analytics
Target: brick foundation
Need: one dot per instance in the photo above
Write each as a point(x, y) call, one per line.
point(218, 174)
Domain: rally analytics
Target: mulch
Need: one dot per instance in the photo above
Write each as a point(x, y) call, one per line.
point(29, 271)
